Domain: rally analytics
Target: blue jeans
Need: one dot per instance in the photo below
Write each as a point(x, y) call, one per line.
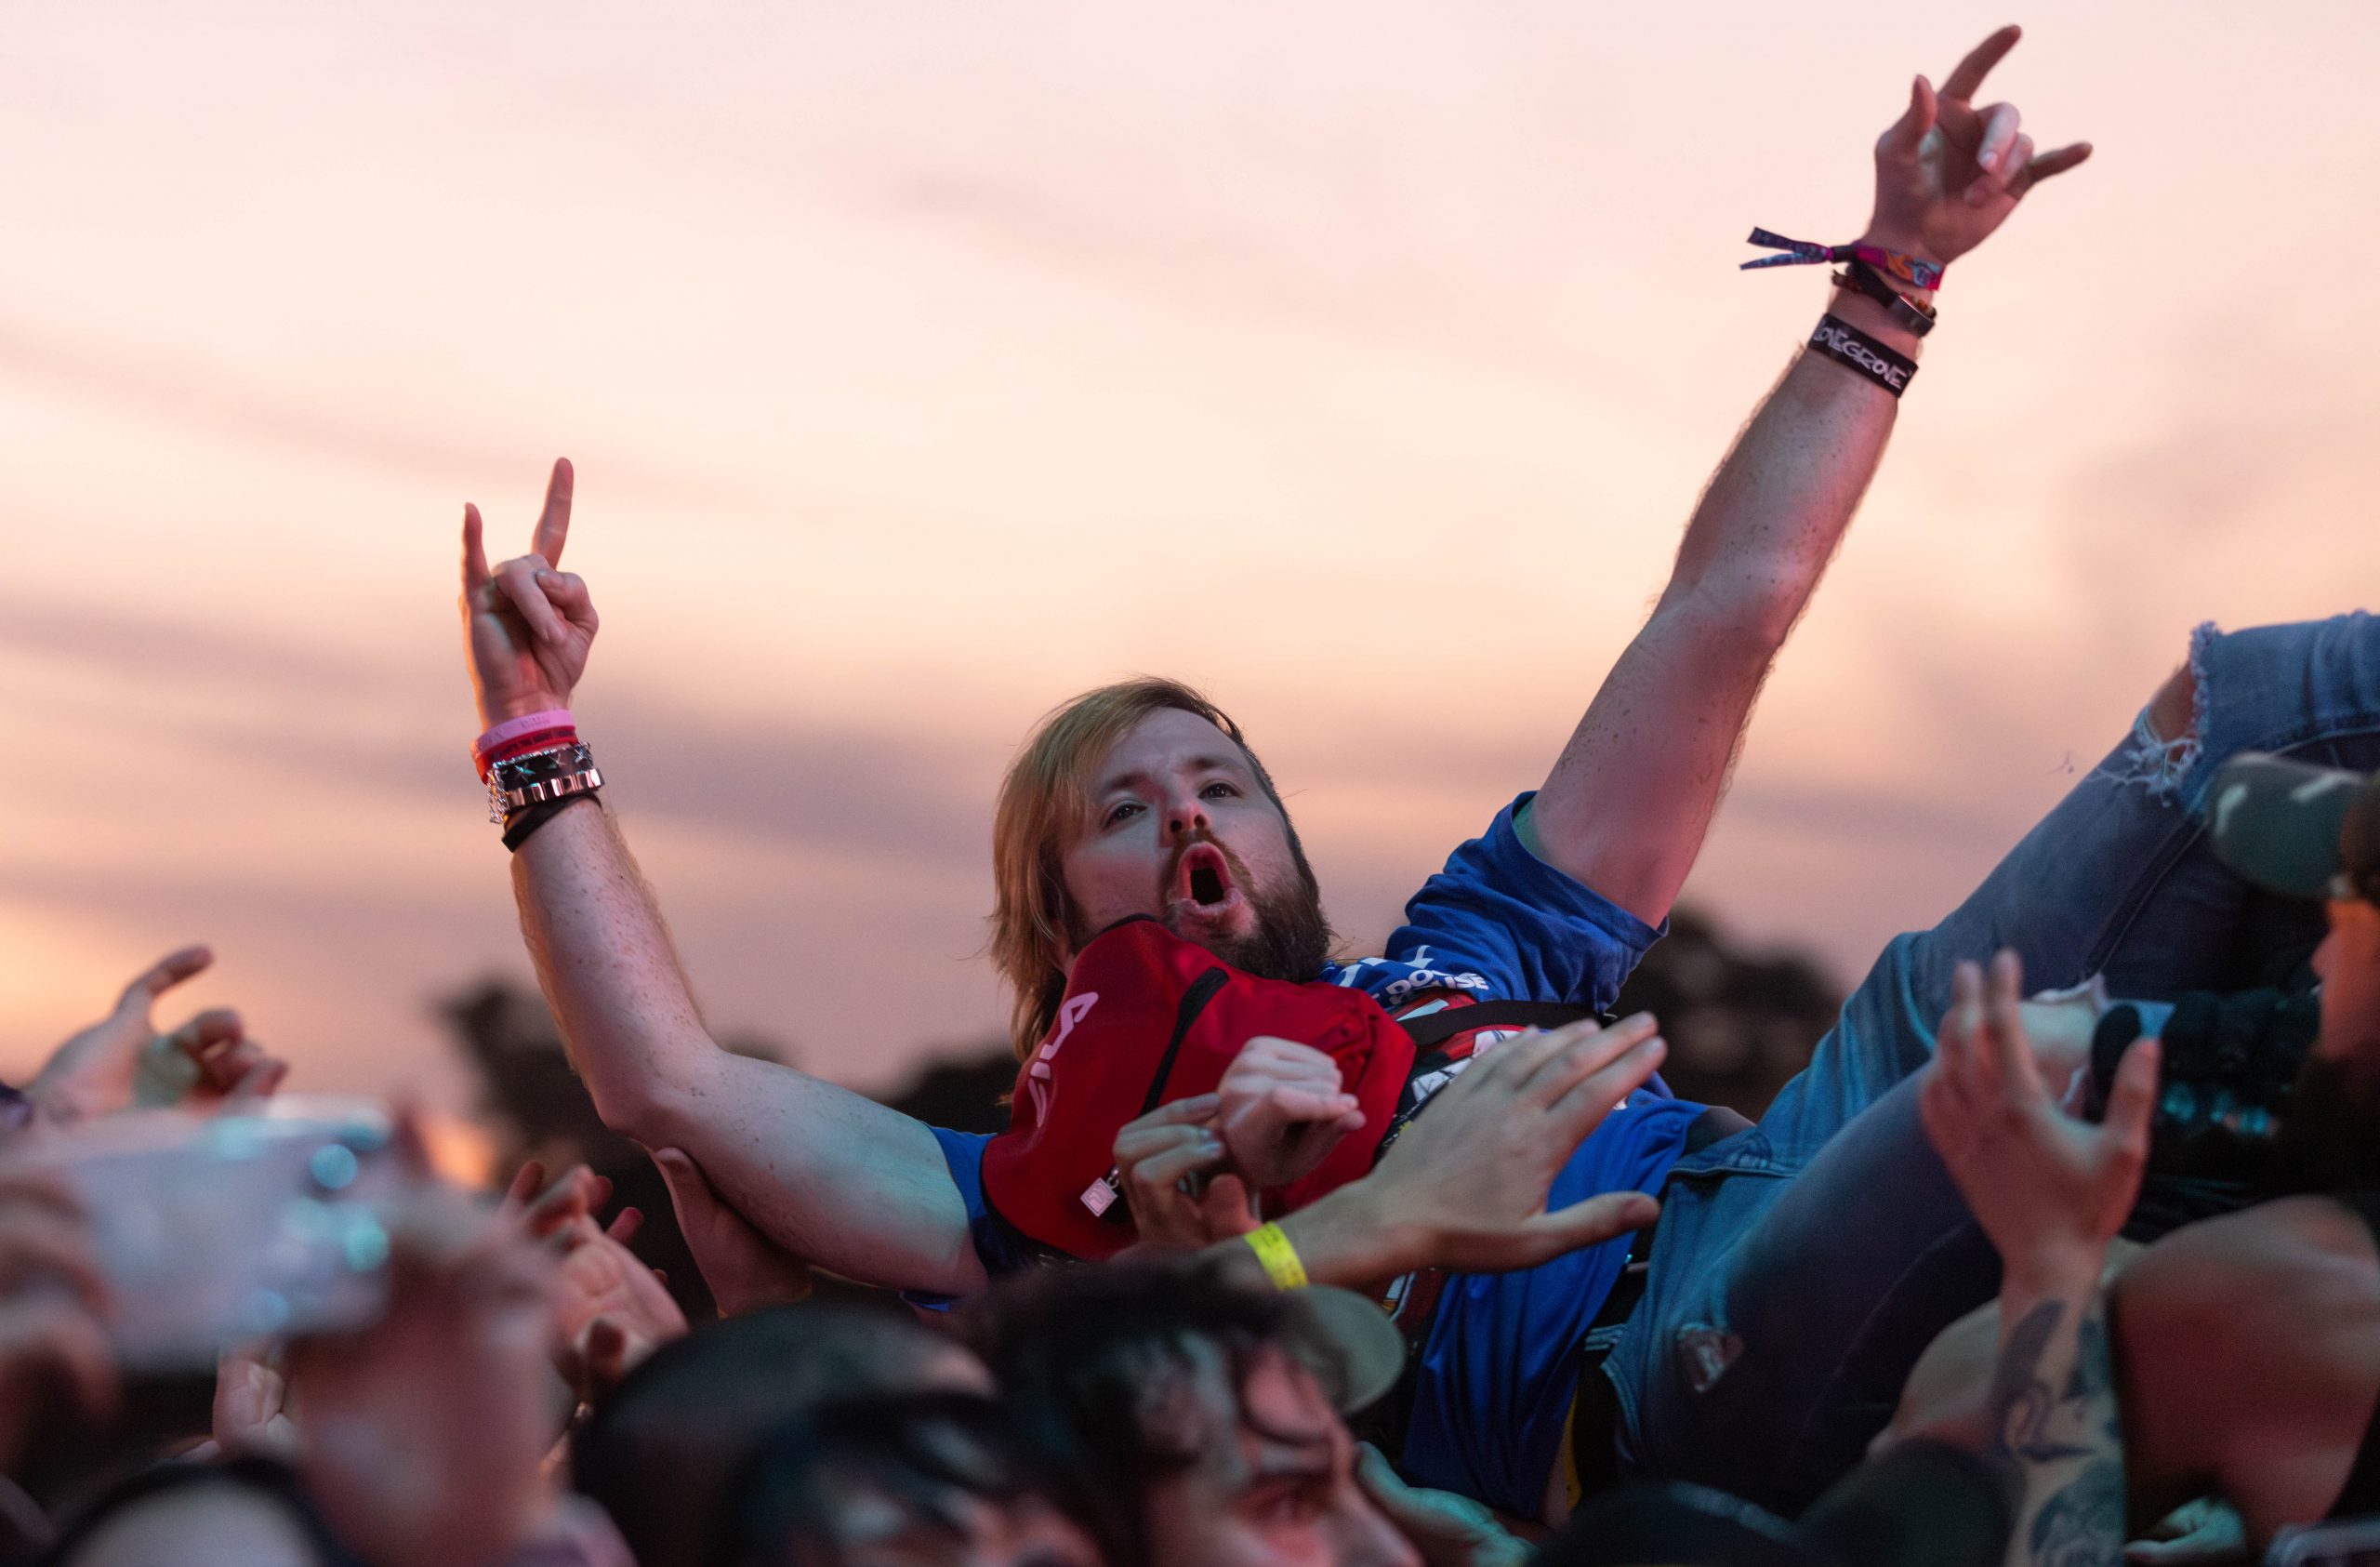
point(1803, 1265)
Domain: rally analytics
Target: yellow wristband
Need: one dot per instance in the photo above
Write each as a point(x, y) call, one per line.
point(1280, 1258)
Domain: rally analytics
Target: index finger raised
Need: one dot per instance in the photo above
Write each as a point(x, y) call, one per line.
point(2005, 1025)
point(1961, 83)
point(554, 523)
point(167, 971)
point(475, 573)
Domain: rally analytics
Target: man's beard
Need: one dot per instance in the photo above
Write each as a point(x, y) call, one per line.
point(1290, 940)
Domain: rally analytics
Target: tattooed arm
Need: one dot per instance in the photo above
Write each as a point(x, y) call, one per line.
point(2054, 1425)
point(2051, 1192)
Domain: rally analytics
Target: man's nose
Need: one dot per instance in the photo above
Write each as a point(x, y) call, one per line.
point(1184, 817)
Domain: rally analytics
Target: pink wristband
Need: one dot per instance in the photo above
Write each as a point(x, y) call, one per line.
point(513, 729)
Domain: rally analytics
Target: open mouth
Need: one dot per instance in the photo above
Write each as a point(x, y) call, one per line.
point(1202, 878)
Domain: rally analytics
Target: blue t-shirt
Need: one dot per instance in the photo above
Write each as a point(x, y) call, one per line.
point(1501, 1364)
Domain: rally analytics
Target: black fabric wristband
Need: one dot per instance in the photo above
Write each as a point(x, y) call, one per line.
point(1853, 349)
point(1870, 282)
point(520, 824)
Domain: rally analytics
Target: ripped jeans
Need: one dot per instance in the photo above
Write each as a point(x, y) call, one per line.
point(1802, 1266)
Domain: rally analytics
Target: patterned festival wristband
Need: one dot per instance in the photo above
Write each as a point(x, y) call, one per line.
point(1915, 271)
point(1278, 1257)
point(1853, 349)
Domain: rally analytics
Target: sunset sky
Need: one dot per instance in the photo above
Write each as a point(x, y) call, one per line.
point(925, 363)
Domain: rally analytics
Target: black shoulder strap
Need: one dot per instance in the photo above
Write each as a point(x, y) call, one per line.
point(1436, 1027)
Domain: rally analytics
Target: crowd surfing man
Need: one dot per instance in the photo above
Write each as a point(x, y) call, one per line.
point(1143, 800)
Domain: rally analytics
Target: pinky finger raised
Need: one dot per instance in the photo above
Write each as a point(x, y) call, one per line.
point(2047, 165)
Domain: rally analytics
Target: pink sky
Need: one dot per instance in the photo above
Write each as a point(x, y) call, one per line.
point(924, 364)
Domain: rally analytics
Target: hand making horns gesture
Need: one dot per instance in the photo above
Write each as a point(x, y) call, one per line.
point(528, 624)
point(1949, 172)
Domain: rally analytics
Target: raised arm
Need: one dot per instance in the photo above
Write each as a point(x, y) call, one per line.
point(1629, 798)
point(835, 1177)
point(2051, 1192)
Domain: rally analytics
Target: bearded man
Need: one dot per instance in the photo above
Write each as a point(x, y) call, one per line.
point(1143, 806)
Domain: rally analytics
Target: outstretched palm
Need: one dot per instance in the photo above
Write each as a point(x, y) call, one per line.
point(2048, 1189)
point(1949, 172)
point(528, 624)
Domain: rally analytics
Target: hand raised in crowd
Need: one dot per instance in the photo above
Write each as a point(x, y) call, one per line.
point(744, 1270)
point(2051, 1191)
point(1282, 1109)
point(528, 624)
point(610, 1309)
point(422, 1436)
point(53, 1345)
point(1178, 1177)
point(1949, 172)
point(122, 1062)
point(1465, 1186)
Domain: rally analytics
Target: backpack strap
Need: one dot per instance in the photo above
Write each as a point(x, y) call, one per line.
point(1436, 1027)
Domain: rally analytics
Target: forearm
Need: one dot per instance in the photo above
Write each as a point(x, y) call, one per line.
point(1626, 805)
point(839, 1180)
point(834, 1178)
point(609, 970)
point(2054, 1419)
point(1782, 497)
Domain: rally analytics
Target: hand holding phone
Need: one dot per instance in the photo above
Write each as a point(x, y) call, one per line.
point(209, 1233)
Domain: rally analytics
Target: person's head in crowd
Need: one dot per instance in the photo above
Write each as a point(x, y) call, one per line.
point(1142, 798)
point(249, 1512)
point(917, 1480)
point(664, 1453)
point(1192, 1422)
point(2315, 832)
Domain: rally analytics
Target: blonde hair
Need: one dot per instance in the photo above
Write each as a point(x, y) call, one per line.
point(1045, 797)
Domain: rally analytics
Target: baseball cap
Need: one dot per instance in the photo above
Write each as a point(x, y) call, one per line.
point(2291, 828)
point(1921, 1504)
point(1370, 1352)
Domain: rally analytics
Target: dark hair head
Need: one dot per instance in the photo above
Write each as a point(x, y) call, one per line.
point(664, 1453)
point(922, 1451)
point(1100, 1368)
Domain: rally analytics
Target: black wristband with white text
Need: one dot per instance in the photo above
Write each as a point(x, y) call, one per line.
point(520, 824)
point(1853, 349)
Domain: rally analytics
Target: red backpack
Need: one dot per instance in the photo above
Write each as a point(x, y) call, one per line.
point(1148, 1018)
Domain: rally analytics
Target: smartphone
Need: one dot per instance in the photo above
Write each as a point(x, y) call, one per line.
point(224, 1230)
point(2347, 1542)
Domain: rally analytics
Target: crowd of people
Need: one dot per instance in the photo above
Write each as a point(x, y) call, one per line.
point(2062, 1248)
